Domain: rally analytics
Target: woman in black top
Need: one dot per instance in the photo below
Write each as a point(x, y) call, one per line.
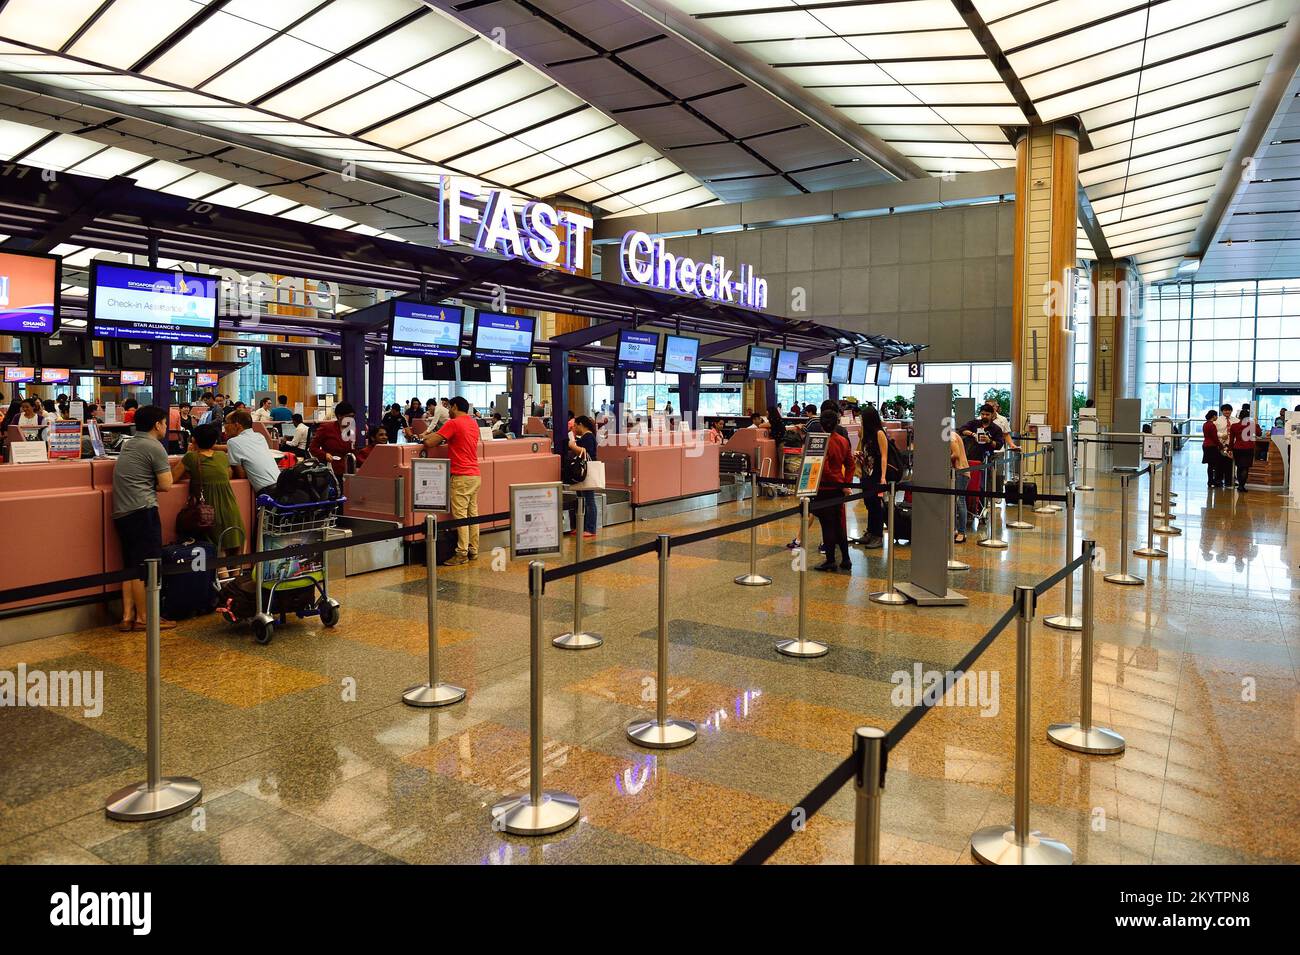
point(872, 456)
point(582, 440)
point(394, 422)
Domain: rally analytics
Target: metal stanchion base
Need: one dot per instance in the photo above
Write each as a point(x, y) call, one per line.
point(995, 542)
point(1097, 741)
point(996, 845)
point(138, 803)
point(578, 641)
point(518, 815)
point(802, 648)
point(1167, 530)
point(753, 580)
point(1153, 553)
point(1046, 509)
point(443, 694)
point(667, 735)
point(1084, 487)
point(956, 565)
point(1019, 526)
point(891, 597)
point(1128, 580)
point(1059, 621)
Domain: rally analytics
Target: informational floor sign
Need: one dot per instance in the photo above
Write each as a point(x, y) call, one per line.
point(65, 439)
point(814, 458)
point(28, 452)
point(430, 484)
point(535, 519)
point(1153, 447)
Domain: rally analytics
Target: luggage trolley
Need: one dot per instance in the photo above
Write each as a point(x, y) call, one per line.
point(296, 584)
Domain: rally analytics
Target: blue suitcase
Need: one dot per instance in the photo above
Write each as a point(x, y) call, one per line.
point(187, 592)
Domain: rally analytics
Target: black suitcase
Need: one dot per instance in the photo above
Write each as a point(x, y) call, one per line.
point(187, 592)
point(902, 529)
point(1013, 489)
point(733, 462)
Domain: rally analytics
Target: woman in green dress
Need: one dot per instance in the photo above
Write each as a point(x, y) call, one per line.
point(212, 469)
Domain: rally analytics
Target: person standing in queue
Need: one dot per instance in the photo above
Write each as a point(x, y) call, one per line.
point(139, 473)
point(582, 440)
point(460, 434)
point(835, 483)
point(873, 455)
point(1211, 456)
point(1243, 432)
point(1224, 423)
point(335, 440)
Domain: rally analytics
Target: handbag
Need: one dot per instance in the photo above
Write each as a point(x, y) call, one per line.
point(197, 517)
point(593, 480)
point(575, 469)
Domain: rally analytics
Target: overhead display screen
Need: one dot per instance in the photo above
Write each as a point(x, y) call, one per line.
point(638, 350)
point(859, 374)
point(29, 293)
point(19, 375)
point(680, 354)
point(760, 362)
point(132, 378)
point(505, 339)
point(55, 376)
point(787, 365)
point(840, 369)
point(206, 379)
point(130, 302)
point(424, 331)
point(884, 373)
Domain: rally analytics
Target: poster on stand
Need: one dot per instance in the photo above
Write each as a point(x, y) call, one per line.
point(65, 440)
point(535, 519)
point(430, 483)
point(810, 470)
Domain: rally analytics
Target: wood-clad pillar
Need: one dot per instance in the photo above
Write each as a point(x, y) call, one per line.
point(1047, 179)
point(1111, 312)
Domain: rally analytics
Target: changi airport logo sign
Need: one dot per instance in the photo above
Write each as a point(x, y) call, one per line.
point(645, 261)
point(536, 232)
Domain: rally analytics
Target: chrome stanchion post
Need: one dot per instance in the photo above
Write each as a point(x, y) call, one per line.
point(158, 795)
point(1124, 577)
point(953, 563)
point(1166, 528)
point(890, 594)
point(1067, 620)
point(753, 578)
point(1083, 465)
point(536, 812)
point(869, 747)
point(577, 638)
point(1020, 524)
point(1017, 844)
point(1151, 550)
point(993, 538)
point(1083, 737)
point(435, 692)
point(662, 732)
point(801, 646)
point(1049, 481)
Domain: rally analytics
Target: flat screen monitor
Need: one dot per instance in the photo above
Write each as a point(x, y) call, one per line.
point(206, 379)
point(55, 376)
point(476, 371)
point(733, 378)
point(277, 360)
point(840, 369)
point(138, 356)
point(611, 376)
point(506, 339)
point(58, 351)
point(17, 376)
point(858, 376)
point(329, 363)
point(434, 369)
point(760, 362)
point(424, 331)
point(578, 375)
point(29, 293)
point(152, 305)
point(787, 365)
point(543, 373)
point(131, 378)
point(637, 351)
point(884, 373)
point(681, 354)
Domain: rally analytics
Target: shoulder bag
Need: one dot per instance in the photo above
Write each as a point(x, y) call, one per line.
point(197, 517)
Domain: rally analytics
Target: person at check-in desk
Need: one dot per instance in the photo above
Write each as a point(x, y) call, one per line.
point(213, 470)
point(249, 455)
point(460, 434)
point(582, 441)
point(333, 441)
point(140, 472)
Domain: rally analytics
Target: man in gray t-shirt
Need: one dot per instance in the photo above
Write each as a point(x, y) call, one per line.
point(139, 473)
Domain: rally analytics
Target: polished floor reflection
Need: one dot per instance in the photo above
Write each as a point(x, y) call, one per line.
point(307, 755)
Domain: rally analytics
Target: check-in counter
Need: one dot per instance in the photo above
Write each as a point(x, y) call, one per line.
point(670, 466)
point(758, 446)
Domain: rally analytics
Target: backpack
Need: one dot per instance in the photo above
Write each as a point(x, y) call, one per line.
point(307, 481)
point(894, 463)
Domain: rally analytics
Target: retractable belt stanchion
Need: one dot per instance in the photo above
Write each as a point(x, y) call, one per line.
point(577, 638)
point(1017, 844)
point(433, 693)
point(1067, 620)
point(1124, 577)
point(662, 732)
point(158, 795)
point(535, 813)
point(1083, 464)
point(1083, 737)
point(993, 538)
point(801, 646)
point(1151, 550)
point(953, 563)
point(890, 594)
point(1049, 482)
point(753, 578)
point(869, 745)
point(1166, 527)
point(1019, 524)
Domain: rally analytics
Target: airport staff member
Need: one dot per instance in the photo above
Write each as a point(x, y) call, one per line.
point(140, 472)
point(249, 454)
point(335, 440)
point(460, 434)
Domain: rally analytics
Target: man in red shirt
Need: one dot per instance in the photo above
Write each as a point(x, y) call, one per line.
point(460, 434)
point(335, 440)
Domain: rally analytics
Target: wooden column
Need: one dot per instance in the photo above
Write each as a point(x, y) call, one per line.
point(1111, 308)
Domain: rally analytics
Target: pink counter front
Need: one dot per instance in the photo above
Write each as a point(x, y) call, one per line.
point(58, 523)
point(679, 464)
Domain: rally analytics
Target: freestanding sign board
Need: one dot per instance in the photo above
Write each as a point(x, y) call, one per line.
point(535, 519)
point(814, 458)
point(430, 483)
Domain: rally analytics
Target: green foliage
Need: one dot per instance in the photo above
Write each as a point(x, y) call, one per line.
point(1002, 396)
point(1080, 399)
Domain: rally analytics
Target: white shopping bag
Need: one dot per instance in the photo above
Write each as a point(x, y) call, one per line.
point(595, 479)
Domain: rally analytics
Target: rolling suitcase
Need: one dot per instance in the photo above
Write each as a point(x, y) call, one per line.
point(902, 529)
point(187, 592)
